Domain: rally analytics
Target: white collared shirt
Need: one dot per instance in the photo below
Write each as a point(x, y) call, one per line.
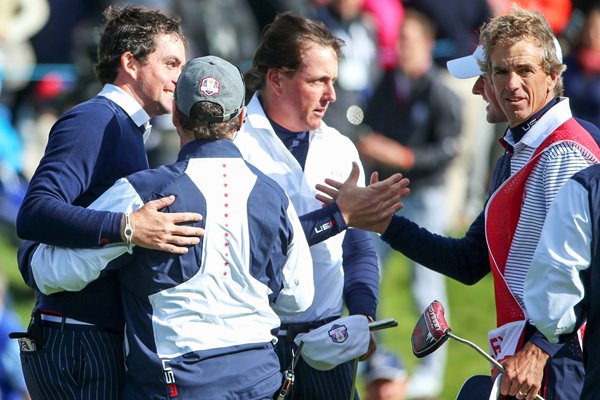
point(130, 105)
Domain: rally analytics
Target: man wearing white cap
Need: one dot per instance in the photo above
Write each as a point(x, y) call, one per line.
point(198, 325)
point(544, 147)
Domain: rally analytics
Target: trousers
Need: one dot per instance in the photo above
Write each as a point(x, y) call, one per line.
point(312, 384)
point(74, 362)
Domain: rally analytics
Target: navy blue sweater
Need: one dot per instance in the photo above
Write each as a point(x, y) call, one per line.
point(89, 148)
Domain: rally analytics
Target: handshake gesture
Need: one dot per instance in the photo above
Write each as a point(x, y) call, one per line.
point(369, 208)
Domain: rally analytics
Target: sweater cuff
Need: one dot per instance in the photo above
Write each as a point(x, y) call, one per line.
point(111, 231)
point(362, 304)
point(338, 218)
point(540, 341)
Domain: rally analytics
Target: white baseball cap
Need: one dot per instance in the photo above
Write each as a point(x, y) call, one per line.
point(468, 66)
point(335, 343)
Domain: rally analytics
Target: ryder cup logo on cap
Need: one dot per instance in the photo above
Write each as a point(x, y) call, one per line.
point(335, 343)
point(338, 333)
point(210, 86)
point(214, 80)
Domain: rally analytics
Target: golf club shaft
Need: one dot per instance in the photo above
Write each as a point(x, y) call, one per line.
point(483, 353)
point(478, 349)
point(353, 388)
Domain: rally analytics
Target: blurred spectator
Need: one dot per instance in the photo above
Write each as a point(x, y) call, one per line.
point(55, 77)
point(582, 77)
point(12, 383)
point(54, 42)
point(416, 121)
point(213, 28)
point(19, 21)
point(458, 23)
point(12, 184)
point(389, 15)
point(385, 377)
point(556, 12)
point(265, 11)
point(358, 68)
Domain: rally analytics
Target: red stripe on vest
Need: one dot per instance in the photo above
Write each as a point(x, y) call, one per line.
point(504, 211)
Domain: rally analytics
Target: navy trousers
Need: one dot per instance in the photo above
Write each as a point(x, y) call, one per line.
point(312, 384)
point(77, 362)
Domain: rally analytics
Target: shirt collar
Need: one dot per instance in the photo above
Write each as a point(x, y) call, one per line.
point(124, 100)
point(555, 115)
point(258, 119)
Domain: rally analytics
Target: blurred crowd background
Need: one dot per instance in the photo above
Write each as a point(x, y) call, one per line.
point(47, 53)
point(48, 49)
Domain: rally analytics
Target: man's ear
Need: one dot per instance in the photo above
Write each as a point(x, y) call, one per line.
point(129, 64)
point(174, 118)
point(551, 81)
point(274, 77)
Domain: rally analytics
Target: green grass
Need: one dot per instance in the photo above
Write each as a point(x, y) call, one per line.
point(22, 296)
point(473, 314)
point(472, 309)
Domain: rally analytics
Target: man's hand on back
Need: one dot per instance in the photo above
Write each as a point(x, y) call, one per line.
point(156, 230)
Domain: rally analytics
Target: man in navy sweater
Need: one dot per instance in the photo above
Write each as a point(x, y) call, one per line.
point(200, 325)
point(140, 56)
point(73, 348)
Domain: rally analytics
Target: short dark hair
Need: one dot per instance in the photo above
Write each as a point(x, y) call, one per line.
point(282, 45)
point(132, 29)
point(204, 130)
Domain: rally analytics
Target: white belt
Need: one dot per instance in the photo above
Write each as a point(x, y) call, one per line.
point(60, 320)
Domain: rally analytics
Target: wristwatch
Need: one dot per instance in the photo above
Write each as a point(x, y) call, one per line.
point(128, 232)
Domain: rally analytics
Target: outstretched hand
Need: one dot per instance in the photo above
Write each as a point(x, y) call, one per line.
point(370, 208)
point(156, 230)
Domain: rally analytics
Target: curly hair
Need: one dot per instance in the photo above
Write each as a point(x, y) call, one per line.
point(518, 25)
point(204, 130)
point(130, 29)
point(282, 45)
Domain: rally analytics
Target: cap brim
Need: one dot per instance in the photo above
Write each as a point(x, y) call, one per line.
point(385, 373)
point(464, 67)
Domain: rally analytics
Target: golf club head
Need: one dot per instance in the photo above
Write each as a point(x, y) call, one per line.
point(431, 330)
